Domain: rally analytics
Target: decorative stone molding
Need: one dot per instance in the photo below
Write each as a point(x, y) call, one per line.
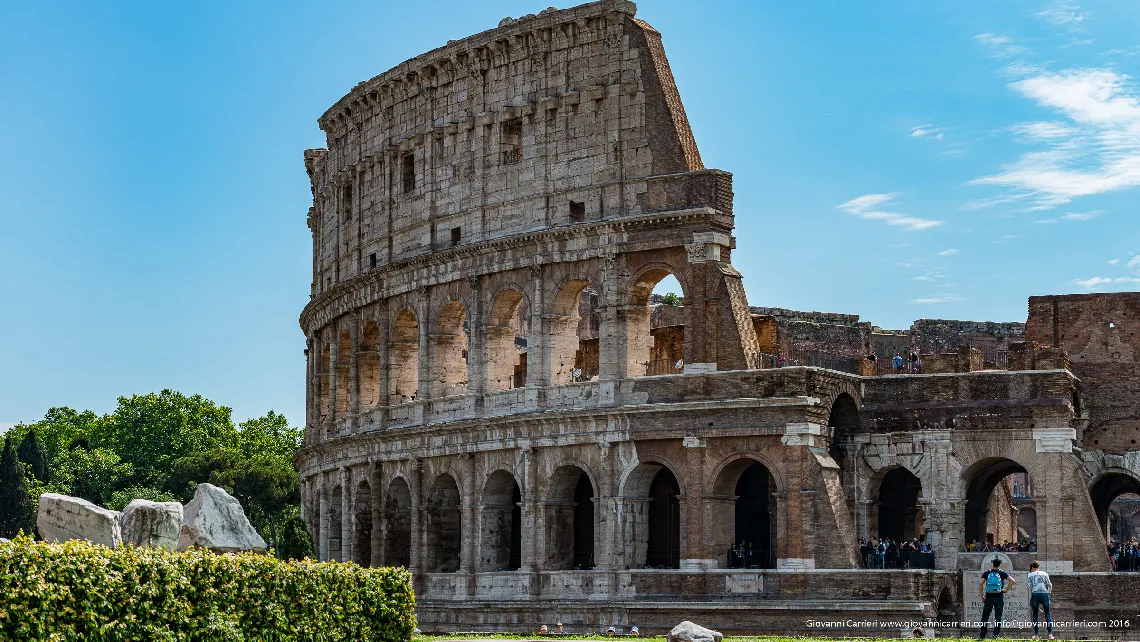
point(801, 434)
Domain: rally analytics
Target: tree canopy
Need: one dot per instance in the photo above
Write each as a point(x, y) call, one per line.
point(160, 446)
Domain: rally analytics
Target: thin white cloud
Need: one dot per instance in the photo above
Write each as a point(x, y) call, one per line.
point(1097, 151)
point(1063, 13)
point(1097, 281)
point(1113, 261)
point(1001, 46)
point(864, 207)
point(926, 131)
point(938, 299)
point(1134, 262)
point(948, 252)
point(1071, 217)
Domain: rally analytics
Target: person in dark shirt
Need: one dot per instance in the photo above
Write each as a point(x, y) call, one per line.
point(992, 589)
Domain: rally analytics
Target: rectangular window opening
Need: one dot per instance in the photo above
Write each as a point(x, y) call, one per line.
point(577, 212)
point(346, 201)
point(372, 260)
point(456, 235)
point(512, 141)
point(408, 172)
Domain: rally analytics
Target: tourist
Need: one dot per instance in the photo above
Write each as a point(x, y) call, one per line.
point(1039, 589)
point(992, 590)
point(633, 631)
point(897, 362)
point(611, 631)
point(543, 630)
point(913, 361)
point(560, 631)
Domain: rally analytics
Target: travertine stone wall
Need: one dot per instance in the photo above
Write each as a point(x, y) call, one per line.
point(489, 221)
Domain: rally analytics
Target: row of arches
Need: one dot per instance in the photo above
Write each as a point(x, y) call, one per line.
point(573, 327)
point(650, 505)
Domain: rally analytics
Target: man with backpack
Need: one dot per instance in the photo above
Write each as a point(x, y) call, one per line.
point(1039, 588)
point(992, 590)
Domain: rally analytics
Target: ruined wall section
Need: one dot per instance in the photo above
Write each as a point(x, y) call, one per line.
point(1098, 331)
point(539, 123)
point(935, 336)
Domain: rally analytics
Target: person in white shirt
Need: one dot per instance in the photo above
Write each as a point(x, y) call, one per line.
point(1039, 589)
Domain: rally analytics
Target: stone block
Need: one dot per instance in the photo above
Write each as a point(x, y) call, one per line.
point(688, 632)
point(214, 520)
point(61, 518)
point(155, 524)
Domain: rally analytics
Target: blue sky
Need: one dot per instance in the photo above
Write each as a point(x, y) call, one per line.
point(897, 160)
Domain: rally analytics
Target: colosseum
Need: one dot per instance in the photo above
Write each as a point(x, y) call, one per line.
point(497, 400)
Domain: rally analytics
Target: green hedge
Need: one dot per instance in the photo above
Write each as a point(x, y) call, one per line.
point(81, 591)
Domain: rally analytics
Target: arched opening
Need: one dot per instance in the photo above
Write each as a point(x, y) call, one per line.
point(744, 515)
point(443, 526)
point(398, 524)
point(1106, 491)
point(336, 497)
point(900, 516)
point(362, 522)
point(343, 384)
point(450, 341)
point(655, 325)
point(326, 374)
point(663, 545)
point(501, 524)
point(990, 514)
point(404, 358)
point(947, 611)
point(570, 520)
point(844, 423)
point(508, 325)
point(369, 365)
point(575, 328)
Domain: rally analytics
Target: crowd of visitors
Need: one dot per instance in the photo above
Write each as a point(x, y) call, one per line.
point(884, 552)
point(1125, 557)
point(1024, 546)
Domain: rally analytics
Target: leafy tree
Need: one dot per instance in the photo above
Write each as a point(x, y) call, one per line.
point(31, 454)
point(151, 431)
point(671, 298)
point(120, 498)
point(294, 542)
point(92, 474)
point(16, 509)
point(270, 436)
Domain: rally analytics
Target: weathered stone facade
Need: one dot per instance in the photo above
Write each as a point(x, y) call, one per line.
point(493, 404)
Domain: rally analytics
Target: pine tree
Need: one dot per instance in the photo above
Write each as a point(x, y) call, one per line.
point(15, 502)
point(31, 454)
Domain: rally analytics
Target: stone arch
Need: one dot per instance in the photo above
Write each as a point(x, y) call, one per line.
point(947, 609)
point(443, 525)
point(654, 350)
point(398, 523)
point(343, 384)
point(369, 365)
point(845, 423)
point(500, 521)
point(569, 516)
point(1109, 485)
point(745, 511)
point(575, 332)
point(508, 324)
point(980, 480)
point(336, 524)
point(450, 343)
point(898, 514)
point(404, 357)
point(651, 494)
point(362, 524)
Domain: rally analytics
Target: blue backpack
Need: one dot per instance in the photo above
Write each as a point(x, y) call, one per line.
point(993, 581)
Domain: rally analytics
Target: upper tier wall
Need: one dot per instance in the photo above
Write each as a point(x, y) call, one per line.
point(511, 130)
